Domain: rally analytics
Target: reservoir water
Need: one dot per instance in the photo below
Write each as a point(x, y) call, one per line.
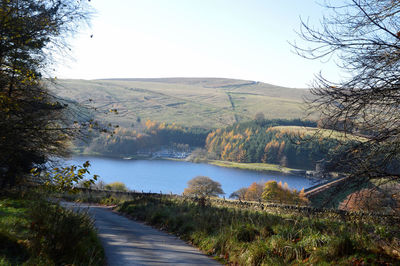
point(172, 176)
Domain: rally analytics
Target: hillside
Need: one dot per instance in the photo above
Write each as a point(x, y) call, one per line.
point(291, 143)
point(198, 102)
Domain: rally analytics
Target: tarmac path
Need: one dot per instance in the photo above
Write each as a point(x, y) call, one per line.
point(127, 242)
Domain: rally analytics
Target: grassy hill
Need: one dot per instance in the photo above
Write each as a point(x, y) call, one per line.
point(318, 132)
point(199, 102)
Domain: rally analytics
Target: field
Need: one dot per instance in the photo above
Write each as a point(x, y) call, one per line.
point(267, 167)
point(318, 132)
point(198, 102)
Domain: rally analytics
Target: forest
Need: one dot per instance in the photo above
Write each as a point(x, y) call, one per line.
point(149, 136)
point(291, 143)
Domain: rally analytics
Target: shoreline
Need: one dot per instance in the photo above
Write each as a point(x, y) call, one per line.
point(259, 167)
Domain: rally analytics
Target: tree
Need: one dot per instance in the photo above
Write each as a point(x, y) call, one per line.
point(274, 191)
point(271, 191)
point(203, 186)
point(254, 191)
point(364, 38)
point(117, 186)
point(31, 119)
point(239, 194)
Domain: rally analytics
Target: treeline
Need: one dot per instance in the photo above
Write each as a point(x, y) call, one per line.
point(271, 191)
point(149, 136)
point(271, 141)
point(290, 143)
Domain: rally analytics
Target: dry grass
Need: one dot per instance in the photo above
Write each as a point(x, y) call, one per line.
point(317, 132)
point(205, 102)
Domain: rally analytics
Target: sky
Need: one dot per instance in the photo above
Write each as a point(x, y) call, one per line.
point(242, 39)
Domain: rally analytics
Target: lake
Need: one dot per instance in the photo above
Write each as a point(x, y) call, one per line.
point(172, 176)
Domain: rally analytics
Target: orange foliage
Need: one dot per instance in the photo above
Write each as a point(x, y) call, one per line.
point(254, 192)
point(274, 191)
point(370, 200)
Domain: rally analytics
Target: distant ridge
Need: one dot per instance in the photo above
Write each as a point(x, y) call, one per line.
point(199, 102)
point(212, 81)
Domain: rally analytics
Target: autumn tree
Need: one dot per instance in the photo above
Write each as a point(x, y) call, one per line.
point(364, 39)
point(274, 191)
point(271, 191)
point(203, 186)
point(239, 194)
point(117, 186)
point(254, 191)
point(31, 118)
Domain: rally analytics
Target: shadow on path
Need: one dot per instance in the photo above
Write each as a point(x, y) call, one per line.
point(127, 242)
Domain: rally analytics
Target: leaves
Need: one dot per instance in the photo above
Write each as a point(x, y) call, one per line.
point(32, 125)
point(66, 178)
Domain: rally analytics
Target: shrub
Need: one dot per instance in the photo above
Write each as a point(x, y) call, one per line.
point(158, 217)
point(371, 200)
point(63, 235)
point(117, 186)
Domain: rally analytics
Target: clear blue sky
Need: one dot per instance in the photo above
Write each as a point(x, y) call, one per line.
point(244, 39)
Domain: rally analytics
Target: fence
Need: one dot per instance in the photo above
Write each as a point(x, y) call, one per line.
point(260, 206)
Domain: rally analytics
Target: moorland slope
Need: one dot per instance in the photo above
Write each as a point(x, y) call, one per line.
point(195, 102)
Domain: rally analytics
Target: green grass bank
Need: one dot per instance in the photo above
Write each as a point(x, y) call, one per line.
point(37, 232)
point(249, 237)
point(265, 167)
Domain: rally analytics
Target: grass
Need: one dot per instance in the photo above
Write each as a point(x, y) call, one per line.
point(37, 232)
point(318, 132)
point(244, 237)
point(207, 102)
point(109, 198)
point(253, 166)
point(14, 231)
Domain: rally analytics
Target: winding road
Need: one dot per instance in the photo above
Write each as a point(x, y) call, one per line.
point(127, 242)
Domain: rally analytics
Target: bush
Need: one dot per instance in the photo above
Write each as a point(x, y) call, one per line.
point(63, 235)
point(370, 200)
point(158, 217)
point(117, 186)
